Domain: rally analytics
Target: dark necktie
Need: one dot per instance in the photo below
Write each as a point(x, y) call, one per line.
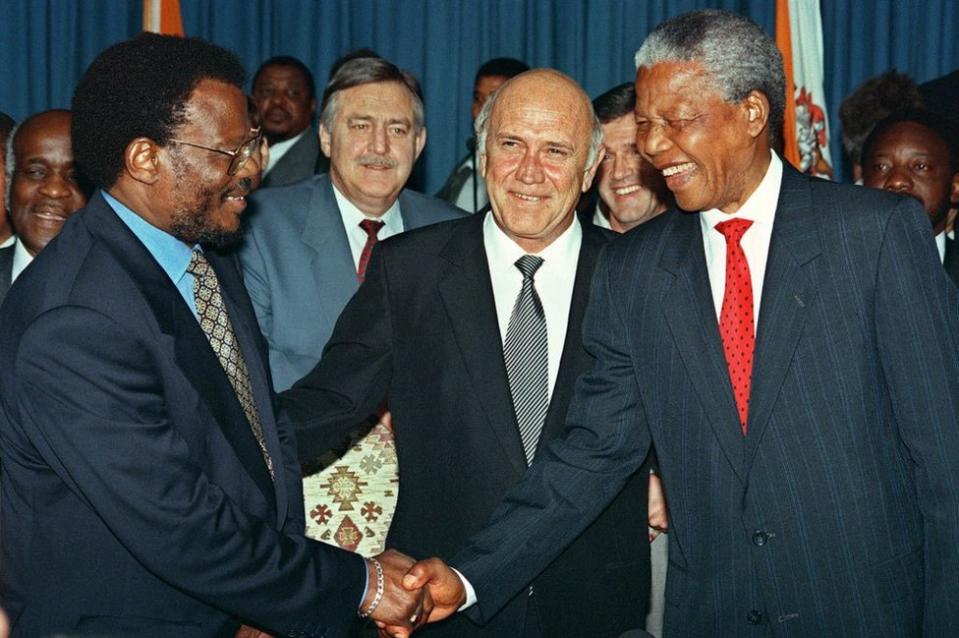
point(371, 227)
point(215, 323)
point(526, 355)
point(736, 316)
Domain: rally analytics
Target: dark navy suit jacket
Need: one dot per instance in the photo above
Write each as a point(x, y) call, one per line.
point(135, 499)
point(422, 331)
point(838, 513)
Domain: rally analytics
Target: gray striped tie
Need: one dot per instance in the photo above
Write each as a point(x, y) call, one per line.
point(526, 355)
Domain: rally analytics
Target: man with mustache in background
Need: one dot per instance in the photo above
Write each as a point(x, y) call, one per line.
point(307, 251)
point(44, 188)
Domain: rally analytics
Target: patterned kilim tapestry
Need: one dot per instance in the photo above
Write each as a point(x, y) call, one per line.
point(350, 503)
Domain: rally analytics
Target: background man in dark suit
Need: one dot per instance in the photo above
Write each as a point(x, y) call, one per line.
point(45, 189)
point(285, 95)
point(797, 381)
point(465, 186)
point(629, 190)
point(916, 153)
point(437, 329)
point(149, 488)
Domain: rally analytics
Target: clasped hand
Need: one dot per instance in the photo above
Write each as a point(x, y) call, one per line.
point(413, 594)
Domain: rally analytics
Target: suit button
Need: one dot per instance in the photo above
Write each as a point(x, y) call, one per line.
point(754, 617)
point(760, 538)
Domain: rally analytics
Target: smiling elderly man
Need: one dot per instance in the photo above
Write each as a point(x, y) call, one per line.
point(471, 330)
point(789, 347)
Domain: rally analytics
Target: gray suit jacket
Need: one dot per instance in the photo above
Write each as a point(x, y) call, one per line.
point(6, 270)
point(838, 513)
point(299, 270)
point(303, 160)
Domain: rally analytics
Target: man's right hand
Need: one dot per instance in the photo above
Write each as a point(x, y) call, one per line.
point(401, 609)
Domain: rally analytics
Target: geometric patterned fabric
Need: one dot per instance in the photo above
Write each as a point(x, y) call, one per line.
point(350, 503)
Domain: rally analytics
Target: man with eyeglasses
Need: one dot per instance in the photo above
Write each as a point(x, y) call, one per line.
point(285, 96)
point(149, 485)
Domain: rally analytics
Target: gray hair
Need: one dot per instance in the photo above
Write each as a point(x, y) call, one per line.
point(369, 70)
point(481, 127)
point(735, 51)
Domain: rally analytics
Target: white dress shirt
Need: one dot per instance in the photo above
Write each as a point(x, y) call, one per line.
point(352, 216)
point(278, 150)
point(9, 240)
point(553, 281)
point(941, 246)
point(600, 220)
point(760, 207)
point(21, 259)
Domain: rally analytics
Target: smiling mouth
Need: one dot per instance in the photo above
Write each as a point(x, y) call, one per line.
point(527, 198)
point(676, 169)
point(51, 214)
point(626, 190)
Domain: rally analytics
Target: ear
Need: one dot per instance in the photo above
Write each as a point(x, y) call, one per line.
point(141, 159)
point(590, 173)
point(756, 111)
point(482, 163)
point(954, 190)
point(313, 108)
point(420, 142)
point(325, 143)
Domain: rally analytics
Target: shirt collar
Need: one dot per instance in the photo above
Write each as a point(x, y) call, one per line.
point(21, 259)
point(600, 220)
point(760, 207)
point(354, 215)
point(503, 251)
point(171, 253)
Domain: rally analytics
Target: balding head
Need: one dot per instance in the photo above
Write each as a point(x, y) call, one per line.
point(539, 143)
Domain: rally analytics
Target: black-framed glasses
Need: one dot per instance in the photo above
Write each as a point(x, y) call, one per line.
point(238, 157)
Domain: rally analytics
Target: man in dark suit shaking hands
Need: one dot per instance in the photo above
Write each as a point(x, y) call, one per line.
point(471, 330)
point(150, 488)
point(789, 346)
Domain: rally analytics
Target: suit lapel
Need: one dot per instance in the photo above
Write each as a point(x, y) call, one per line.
point(787, 290)
point(468, 296)
point(6, 269)
point(691, 317)
point(192, 351)
point(333, 270)
point(575, 359)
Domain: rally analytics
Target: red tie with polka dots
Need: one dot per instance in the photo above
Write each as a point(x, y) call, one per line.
point(736, 317)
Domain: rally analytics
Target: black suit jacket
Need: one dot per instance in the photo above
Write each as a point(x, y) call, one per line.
point(422, 332)
point(838, 513)
point(6, 269)
point(135, 499)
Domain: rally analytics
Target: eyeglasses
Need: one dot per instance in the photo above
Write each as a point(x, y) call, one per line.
point(239, 156)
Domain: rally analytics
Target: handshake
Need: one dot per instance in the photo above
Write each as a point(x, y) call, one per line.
point(403, 595)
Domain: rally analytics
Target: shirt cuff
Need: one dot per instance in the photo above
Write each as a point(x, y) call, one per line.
point(470, 592)
point(366, 586)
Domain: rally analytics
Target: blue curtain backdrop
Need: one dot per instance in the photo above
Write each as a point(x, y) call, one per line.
point(46, 44)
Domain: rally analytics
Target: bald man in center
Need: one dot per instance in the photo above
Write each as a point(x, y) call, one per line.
point(470, 330)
